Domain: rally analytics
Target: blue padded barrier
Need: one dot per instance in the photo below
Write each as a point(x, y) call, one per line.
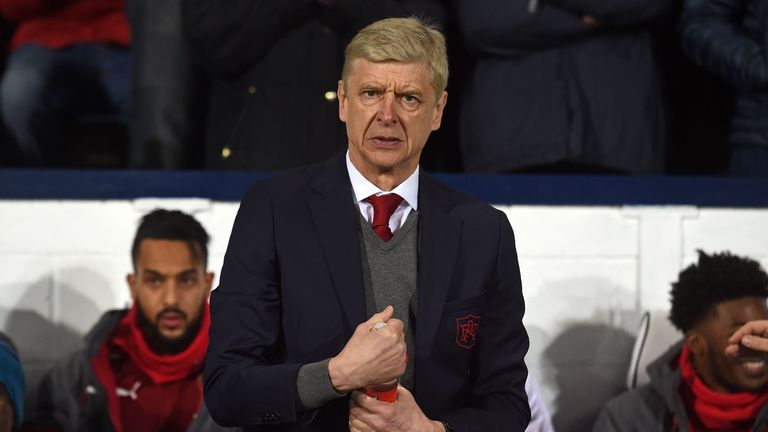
point(496, 189)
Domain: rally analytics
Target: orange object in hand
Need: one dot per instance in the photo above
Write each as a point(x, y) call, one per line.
point(383, 392)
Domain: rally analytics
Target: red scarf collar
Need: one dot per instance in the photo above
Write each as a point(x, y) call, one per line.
point(713, 410)
point(162, 368)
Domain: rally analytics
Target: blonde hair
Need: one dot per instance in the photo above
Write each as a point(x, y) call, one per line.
point(401, 39)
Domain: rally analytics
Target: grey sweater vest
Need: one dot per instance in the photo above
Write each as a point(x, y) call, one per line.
point(390, 275)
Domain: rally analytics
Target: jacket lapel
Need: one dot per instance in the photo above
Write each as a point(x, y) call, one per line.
point(335, 220)
point(439, 237)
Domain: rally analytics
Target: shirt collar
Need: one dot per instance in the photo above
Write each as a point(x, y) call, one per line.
point(409, 189)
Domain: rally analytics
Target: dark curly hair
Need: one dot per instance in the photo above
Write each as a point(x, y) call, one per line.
point(715, 279)
point(164, 224)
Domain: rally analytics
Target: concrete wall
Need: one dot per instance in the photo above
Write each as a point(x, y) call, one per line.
point(588, 272)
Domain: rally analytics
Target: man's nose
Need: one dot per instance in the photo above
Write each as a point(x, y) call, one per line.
point(171, 294)
point(387, 109)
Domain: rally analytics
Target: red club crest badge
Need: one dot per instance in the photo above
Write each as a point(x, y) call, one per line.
point(466, 330)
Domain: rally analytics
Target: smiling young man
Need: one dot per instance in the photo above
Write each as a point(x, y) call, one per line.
point(141, 367)
point(345, 276)
point(696, 385)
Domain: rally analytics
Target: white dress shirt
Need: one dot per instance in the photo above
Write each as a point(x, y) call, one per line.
point(409, 190)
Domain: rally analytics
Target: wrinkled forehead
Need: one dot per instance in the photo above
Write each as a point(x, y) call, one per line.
point(399, 73)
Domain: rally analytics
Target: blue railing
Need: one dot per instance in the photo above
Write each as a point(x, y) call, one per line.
point(497, 189)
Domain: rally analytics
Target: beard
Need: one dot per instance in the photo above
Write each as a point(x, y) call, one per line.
point(160, 344)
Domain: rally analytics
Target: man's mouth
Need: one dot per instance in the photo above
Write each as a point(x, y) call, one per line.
point(753, 365)
point(385, 141)
point(171, 320)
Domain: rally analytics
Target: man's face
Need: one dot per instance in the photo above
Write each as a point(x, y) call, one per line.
point(746, 372)
point(170, 287)
point(390, 109)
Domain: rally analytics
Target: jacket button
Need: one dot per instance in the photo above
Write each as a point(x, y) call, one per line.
point(330, 96)
point(252, 89)
point(226, 152)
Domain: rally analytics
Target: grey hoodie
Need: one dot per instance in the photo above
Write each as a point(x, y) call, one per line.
point(656, 406)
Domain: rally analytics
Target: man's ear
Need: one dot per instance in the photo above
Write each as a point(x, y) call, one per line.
point(342, 97)
point(439, 107)
point(133, 285)
point(208, 283)
point(697, 343)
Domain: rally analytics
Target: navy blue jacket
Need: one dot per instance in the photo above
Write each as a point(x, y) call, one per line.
point(291, 293)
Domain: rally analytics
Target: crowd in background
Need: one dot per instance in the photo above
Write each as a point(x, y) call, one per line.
point(556, 86)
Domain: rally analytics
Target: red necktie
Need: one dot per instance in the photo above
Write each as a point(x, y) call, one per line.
point(383, 207)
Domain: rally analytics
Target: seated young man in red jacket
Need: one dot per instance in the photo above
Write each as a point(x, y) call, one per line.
point(695, 386)
point(67, 58)
point(141, 367)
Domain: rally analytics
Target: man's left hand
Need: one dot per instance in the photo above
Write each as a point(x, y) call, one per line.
point(367, 414)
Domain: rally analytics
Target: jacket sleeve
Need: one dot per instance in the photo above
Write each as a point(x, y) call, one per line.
point(712, 38)
point(227, 36)
point(641, 409)
point(247, 380)
point(510, 28)
point(497, 399)
point(606, 421)
point(621, 13)
point(58, 405)
point(347, 17)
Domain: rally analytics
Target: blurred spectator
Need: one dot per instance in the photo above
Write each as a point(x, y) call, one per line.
point(141, 367)
point(443, 153)
point(274, 68)
point(730, 39)
point(695, 385)
point(69, 57)
point(699, 120)
point(563, 85)
point(167, 96)
point(11, 386)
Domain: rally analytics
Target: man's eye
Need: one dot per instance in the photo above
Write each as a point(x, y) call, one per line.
point(154, 281)
point(370, 93)
point(410, 99)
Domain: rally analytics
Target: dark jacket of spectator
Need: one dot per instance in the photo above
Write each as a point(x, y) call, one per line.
point(730, 39)
point(57, 23)
point(552, 85)
point(72, 398)
point(274, 68)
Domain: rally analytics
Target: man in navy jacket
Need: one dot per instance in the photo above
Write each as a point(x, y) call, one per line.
point(315, 304)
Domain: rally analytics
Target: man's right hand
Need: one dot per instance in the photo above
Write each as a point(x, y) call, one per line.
point(371, 356)
point(753, 335)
